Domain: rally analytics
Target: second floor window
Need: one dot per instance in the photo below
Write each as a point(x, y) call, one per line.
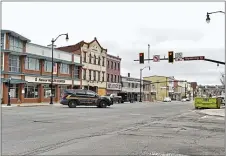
point(76, 72)
point(14, 63)
point(2, 60)
point(112, 65)
point(84, 74)
point(90, 74)
point(94, 75)
point(103, 74)
point(108, 78)
point(2, 41)
point(15, 44)
point(48, 66)
point(32, 64)
point(98, 75)
point(90, 58)
point(112, 78)
point(115, 66)
point(115, 78)
point(108, 65)
point(118, 66)
point(64, 68)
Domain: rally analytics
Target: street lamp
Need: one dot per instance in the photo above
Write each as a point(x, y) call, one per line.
point(141, 78)
point(208, 15)
point(54, 40)
point(9, 81)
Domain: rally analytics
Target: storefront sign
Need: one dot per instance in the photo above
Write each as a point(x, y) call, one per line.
point(47, 80)
point(132, 79)
point(113, 86)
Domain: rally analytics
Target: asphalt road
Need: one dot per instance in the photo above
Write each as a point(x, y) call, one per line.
point(122, 129)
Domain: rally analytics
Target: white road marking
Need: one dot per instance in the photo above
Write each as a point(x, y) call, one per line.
point(165, 154)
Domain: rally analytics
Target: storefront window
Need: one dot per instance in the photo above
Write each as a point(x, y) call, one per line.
point(14, 88)
point(62, 88)
point(31, 91)
point(47, 91)
point(32, 64)
point(14, 63)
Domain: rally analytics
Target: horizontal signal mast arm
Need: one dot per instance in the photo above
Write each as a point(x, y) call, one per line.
point(209, 60)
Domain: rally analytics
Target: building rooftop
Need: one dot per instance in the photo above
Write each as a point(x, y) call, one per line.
point(15, 35)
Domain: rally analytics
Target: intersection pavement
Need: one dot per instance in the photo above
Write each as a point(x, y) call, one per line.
point(122, 129)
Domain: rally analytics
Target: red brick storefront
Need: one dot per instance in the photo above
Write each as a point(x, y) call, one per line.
point(113, 74)
point(32, 86)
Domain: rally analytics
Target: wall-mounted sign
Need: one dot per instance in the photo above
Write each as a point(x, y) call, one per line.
point(132, 79)
point(49, 80)
point(113, 86)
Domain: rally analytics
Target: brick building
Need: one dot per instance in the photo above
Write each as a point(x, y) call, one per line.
point(93, 56)
point(113, 74)
point(29, 66)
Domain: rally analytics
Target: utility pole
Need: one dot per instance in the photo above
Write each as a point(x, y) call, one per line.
point(148, 53)
point(141, 80)
point(140, 84)
point(185, 90)
point(166, 86)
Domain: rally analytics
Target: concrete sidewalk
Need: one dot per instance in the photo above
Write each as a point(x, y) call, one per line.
point(32, 105)
point(214, 112)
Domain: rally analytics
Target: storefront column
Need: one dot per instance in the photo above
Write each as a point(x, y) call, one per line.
point(42, 66)
point(21, 93)
point(57, 98)
point(5, 94)
point(41, 93)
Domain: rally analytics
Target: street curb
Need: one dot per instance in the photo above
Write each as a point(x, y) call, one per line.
point(31, 105)
point(209, 114)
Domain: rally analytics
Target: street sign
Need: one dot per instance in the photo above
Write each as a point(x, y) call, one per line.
point(178, 57)
point(156, 58)
point(194, 58)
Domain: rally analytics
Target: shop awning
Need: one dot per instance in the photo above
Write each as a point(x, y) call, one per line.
point(14, 81)
point(14, 52)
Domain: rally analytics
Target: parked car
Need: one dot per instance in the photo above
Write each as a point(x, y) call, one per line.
point(114, 98)
point(167, 99)
point(183, 100)
point(79, 97)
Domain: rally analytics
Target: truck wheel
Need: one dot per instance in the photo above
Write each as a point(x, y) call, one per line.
point(102, 104)
point(72, 104)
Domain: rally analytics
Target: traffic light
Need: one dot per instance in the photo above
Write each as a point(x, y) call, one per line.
point(141, 58)
point(170, 57)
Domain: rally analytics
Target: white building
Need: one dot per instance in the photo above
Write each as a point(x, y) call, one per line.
point(131, 86)
point(93, 57)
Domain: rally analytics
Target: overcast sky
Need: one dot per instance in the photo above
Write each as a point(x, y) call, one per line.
point(126, 29)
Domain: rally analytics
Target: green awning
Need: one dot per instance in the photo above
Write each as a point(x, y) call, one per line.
point(3, 80)
point(14, 52)
point(14, 81)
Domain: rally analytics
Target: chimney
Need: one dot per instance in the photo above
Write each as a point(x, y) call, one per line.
point(128, 74)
